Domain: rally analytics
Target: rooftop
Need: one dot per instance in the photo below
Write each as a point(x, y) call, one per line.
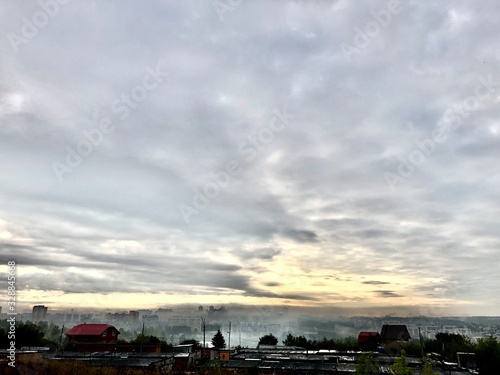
point(89, 329)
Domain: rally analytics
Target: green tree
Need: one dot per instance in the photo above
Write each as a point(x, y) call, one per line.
point(54, 332)
point(453, 343)
point(145, 340)
point(400, 366)
point(166, 347)
point(268, 340)
point(289, 340)
point(367, 365)
point(4, 339)
point(427, 367)
point(488, 355)
point(218, 340)
point(432, 346)
point(29, 334)
point(301, 341)
point(347, 343)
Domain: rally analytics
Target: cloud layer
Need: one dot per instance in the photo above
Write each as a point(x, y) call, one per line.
point(302, 153)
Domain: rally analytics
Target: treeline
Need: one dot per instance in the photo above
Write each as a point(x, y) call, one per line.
point(348, 343)
point(447, 345)
point(51, 335)
point(26, 334)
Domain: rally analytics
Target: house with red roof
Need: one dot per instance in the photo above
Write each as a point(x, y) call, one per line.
point(368, 341)
point(93, 333)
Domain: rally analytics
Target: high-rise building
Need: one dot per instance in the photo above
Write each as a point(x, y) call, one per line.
point(39, 313)
point(134, 316)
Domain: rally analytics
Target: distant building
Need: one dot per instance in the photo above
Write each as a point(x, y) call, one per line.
point(192, 322)
point(216, 313)
point(39, 313)
point(72, 317)
point(25, 316)
point(57, 317)
point(395, 332)
point(163, 313)
point(93, 333)
point(144, 312)
point(134, 316)
point(150, 319)
point(200, 308)
point(122, 318)
point(85, 317)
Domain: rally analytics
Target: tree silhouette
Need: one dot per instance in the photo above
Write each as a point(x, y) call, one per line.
point(297, 341)
point(218, 340)
point(453, 343)
point(488, 355)
point(29, 334)
point(268, 340)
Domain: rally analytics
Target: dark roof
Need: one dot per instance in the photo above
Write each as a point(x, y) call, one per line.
point(89, 329)
point(395, 332)
point(248, 363)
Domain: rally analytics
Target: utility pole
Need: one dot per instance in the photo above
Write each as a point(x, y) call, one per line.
point(421, 344)
point(203, 322)
point(229, 332)
point(142, 336)
point(60, 341)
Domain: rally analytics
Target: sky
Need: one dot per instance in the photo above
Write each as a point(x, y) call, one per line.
point(322, 154)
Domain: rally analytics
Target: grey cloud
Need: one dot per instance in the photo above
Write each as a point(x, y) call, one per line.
point(387, 293)
point(272, 283)
point(301, 235)
point(263, 253)
point(317, 184)
point(374, 282)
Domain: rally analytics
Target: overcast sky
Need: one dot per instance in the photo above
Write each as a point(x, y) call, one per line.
point(312, 153)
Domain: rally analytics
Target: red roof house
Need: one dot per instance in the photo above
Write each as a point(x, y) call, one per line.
point(98, 333)
point(368, 340)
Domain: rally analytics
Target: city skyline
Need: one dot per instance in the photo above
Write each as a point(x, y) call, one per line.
point(326, 155)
